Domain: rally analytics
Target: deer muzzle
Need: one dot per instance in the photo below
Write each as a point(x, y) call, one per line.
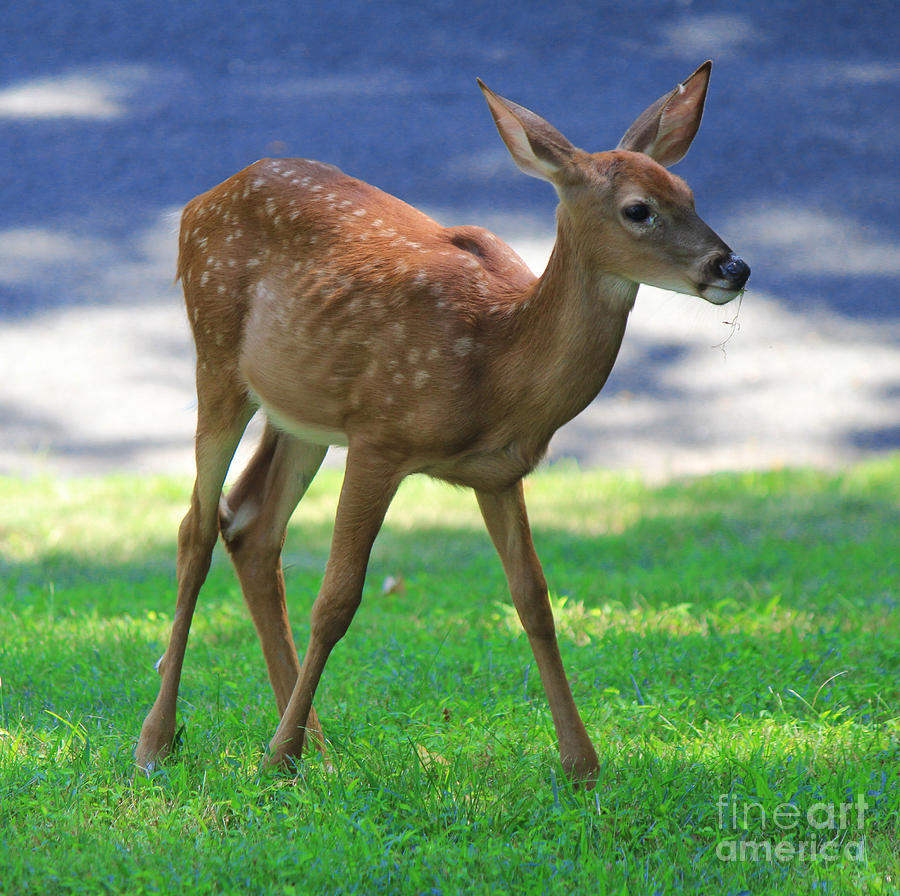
point(730, 275)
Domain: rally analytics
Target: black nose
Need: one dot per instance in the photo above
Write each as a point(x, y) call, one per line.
point(735, 270)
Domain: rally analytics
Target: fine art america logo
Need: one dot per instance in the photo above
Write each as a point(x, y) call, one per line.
point(787, 833)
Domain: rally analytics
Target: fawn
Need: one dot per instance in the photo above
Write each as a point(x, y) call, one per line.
point(351, 318)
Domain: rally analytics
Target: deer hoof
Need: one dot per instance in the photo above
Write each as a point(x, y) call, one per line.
point(154, 744)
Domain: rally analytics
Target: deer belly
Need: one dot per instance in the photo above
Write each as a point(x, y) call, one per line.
point(305, 432)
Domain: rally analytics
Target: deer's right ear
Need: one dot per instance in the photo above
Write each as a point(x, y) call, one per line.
point(535, 145)
point(664, 131)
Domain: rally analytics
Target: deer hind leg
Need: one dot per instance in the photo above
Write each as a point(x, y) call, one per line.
point(222, 417)
point(507, 522)
point(253, 519)
point(366, 493)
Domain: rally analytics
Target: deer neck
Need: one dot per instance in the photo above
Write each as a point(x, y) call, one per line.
point(579, 313)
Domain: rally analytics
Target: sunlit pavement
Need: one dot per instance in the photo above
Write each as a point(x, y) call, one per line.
point(696, 387)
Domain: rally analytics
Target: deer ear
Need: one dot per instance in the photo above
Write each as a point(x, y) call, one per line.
point(664, 131)
point(535, 145)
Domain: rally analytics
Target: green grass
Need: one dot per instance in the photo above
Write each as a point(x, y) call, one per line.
point(733, 643)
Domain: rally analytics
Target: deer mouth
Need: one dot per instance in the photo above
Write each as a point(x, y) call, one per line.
point(716, 295)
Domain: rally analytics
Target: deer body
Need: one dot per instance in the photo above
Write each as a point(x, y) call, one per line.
point(360, 313)
point(351, 318)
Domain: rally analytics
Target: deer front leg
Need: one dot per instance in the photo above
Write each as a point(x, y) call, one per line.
point(365, 496)
point(507, 522)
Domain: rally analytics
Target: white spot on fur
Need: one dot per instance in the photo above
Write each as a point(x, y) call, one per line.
point(421, 378)
point(463, 346)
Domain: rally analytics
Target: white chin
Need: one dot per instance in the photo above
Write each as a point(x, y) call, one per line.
point(718, 296)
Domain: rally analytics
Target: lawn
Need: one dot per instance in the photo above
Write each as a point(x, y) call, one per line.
point(733, 643)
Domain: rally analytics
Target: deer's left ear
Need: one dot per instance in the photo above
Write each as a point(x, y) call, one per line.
point(664, 131)
point(535, 145)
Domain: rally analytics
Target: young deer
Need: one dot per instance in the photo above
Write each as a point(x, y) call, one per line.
point(351, 318)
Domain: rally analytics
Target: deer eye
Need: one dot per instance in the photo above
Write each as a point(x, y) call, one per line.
point(637, 212)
